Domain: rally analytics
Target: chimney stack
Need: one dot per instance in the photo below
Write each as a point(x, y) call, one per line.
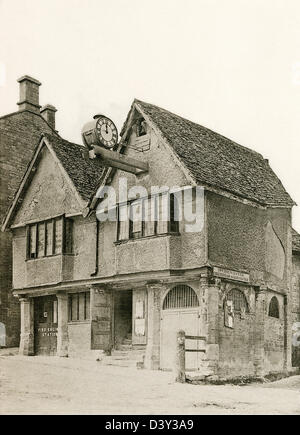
point(48, 113)
point(29, 94)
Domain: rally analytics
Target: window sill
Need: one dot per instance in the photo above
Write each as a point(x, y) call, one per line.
point(79, 322)
point(155, 236)
point(49, 256)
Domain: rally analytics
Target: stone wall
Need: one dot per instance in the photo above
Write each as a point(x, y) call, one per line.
point(19, 135)
point(296, 307)
point(242, 237)
point(237, 344)
point(79, 337)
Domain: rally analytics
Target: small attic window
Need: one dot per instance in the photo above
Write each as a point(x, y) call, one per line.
point(274, 308)
point(141, 128)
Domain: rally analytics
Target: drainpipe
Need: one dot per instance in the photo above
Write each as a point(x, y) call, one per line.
point(97, 249)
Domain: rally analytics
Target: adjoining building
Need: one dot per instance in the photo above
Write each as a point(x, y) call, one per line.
point(87, 285)
point(296, 298)
point(19, 133)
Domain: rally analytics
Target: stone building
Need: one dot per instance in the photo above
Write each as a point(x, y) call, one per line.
point(296, 296)
point(19, 133)
point(86, 285)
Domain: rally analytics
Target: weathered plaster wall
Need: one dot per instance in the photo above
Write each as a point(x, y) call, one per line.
point(46, 270)
point(107, 237)
point(295, 295)
point(237, 345)
point(19, 255)
point(296, 306)
point(274, 337)
point(84, 233)
point(49, 193)
point(247, 238)
point(235, 234)
point(151, 253)
point(279, 249)
point(142, 255)
point(79, 338)
point(256, 343)
point(163, 168)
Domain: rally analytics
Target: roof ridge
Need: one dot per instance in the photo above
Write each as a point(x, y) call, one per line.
point(19, 112)
point(60, 138)
point(201, 126)
point(214, 159)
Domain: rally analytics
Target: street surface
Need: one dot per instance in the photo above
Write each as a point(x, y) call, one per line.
point(50, 385)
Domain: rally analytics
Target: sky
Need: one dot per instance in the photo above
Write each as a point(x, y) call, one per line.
point(230, 65)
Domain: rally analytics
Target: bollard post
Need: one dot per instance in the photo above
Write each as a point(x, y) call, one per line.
point(180, 357)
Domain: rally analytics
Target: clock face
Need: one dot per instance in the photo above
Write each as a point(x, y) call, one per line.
point(107, 132)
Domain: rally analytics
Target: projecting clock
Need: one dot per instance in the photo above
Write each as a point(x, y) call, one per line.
point(101, 131)
point(107, 132)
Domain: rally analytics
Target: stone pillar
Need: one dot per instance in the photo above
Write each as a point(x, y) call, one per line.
point(62, 331)
point(152, 357)
point(288, 323)
point(27, 327)
point(212, 347)
point(260, 314)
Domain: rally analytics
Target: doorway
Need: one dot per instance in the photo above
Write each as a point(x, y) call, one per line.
point(181, 311)
point(122, 317)
point(45, 325)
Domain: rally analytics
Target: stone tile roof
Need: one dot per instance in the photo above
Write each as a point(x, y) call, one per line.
point(85, 174)
point(216, 161)
point(296, 241)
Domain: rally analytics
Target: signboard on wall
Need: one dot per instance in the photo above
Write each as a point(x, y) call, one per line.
point(139, 314)
point(139, 326)
point(231, 274)
point(139, 323)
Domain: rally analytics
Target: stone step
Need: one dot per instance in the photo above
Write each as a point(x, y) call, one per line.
point(124, 358)
point(127, 341)
point(129, 357)
point(129, 352)
point(199, 375)
point(125, 347)
point(120, 363)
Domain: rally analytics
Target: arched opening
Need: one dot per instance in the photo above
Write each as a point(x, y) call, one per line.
point(181, 311)
point(238, 299)
point(274, 308)
point(181, 296)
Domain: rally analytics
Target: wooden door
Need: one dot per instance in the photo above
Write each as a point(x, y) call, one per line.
point(173, 321)
point(45, 316)
point(101, 309)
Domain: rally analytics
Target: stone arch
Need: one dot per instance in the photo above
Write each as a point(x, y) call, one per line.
point(238, 299)
point(180, 296)
point(273, 310)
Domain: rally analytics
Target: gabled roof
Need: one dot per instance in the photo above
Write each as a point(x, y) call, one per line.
point(213, 160)
point(16, 120)
point(296, 241)
point(83, 174)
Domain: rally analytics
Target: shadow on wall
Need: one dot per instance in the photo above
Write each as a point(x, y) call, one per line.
point(2, 335)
